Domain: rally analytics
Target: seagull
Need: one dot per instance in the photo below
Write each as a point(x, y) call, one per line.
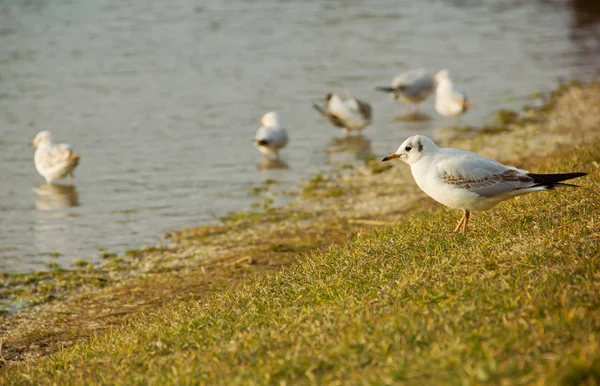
point(271, 136)
point(411, 87)
point(350, 115)
point(53, 161)
point(463, 180)
point(449, 102)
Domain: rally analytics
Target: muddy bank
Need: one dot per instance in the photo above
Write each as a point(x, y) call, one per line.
point(46, 311)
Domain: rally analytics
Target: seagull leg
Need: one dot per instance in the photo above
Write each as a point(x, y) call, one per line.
point(460, 223)
point(416, 108)
point(72, 178)
point(467, 214)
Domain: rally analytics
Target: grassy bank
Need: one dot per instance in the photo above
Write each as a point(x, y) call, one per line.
point(515, 302)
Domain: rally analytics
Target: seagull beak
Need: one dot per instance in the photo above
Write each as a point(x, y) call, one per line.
point(260, 122)
point(391, 156)
point(469, 105)
point(31, 144)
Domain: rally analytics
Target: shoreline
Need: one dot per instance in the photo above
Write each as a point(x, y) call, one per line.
point(62, 307)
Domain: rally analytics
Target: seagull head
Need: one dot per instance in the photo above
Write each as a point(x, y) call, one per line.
point(42, 138)
point(270, 119)
point(441, 76)
point(413, 149)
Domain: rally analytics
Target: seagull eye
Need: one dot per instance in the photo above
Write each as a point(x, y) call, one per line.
point(408, 148)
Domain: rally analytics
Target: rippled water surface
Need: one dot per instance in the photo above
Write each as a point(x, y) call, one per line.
point(164, 97)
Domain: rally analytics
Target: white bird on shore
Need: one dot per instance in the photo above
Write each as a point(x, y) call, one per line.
point(463, 180)
point(350, 115)
point(411, 87)
point(53, 161)
point(449, 102)
point(271, 136)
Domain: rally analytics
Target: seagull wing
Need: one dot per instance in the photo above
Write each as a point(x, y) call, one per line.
point(271, 135)
point(330, 117)
point(61, 153)
point(485, 177)
point(408, 78)
point(340, 112)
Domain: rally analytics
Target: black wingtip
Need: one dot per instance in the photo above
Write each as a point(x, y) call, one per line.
point(385, 89)
point(319, 109)
point(552, 180)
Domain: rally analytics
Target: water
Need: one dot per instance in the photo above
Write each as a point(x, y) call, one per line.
point(164, 98)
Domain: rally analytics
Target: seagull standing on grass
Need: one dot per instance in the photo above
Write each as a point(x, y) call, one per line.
point(466, 181)
point(271, 136)
point(449, 102)
point(53, 161)
point(411, 87)
point(350, 115)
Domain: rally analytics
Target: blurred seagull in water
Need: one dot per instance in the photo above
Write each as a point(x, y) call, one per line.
point(350, 115)
point(449, 102)
point(466, 181)
point(271, 136)
point(53, 161)
point(411, 87)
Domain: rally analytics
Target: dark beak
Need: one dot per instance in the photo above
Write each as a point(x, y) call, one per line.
point(391, 156)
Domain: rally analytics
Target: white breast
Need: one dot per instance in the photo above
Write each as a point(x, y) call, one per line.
point(447, 102)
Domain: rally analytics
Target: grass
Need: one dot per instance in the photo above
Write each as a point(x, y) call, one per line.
point(515, 302)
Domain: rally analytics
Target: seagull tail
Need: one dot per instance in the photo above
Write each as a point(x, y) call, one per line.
point(320, 109)
point(385, 89)
point(76, 158)
point(552, 180)
point(262, 142)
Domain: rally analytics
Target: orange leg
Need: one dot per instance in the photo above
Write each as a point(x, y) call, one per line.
point(467, 215)
point(460, 223)
point(463, 222)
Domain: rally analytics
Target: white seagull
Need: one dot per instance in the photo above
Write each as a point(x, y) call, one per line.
point(271, 136)
point(449, 102)
point(466, 181)
point(53, 161)
point(411, 87)
point(350, 115)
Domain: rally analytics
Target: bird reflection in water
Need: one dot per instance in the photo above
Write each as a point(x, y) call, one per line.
point(55, 196)
point(270, 163)
point(357, 145)
point(414, 116)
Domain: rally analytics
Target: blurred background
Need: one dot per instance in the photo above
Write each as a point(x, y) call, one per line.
point(164, 98)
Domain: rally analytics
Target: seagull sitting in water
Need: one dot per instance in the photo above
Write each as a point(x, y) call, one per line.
point(350, 115)
point(411, 87)
point(53, 161)
point(463, 180)
point(449, 102)
point(271, 136)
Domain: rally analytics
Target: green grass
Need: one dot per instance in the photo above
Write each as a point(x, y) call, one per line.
point(517, 301)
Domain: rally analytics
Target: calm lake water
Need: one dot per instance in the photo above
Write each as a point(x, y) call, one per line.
point(164, 98)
